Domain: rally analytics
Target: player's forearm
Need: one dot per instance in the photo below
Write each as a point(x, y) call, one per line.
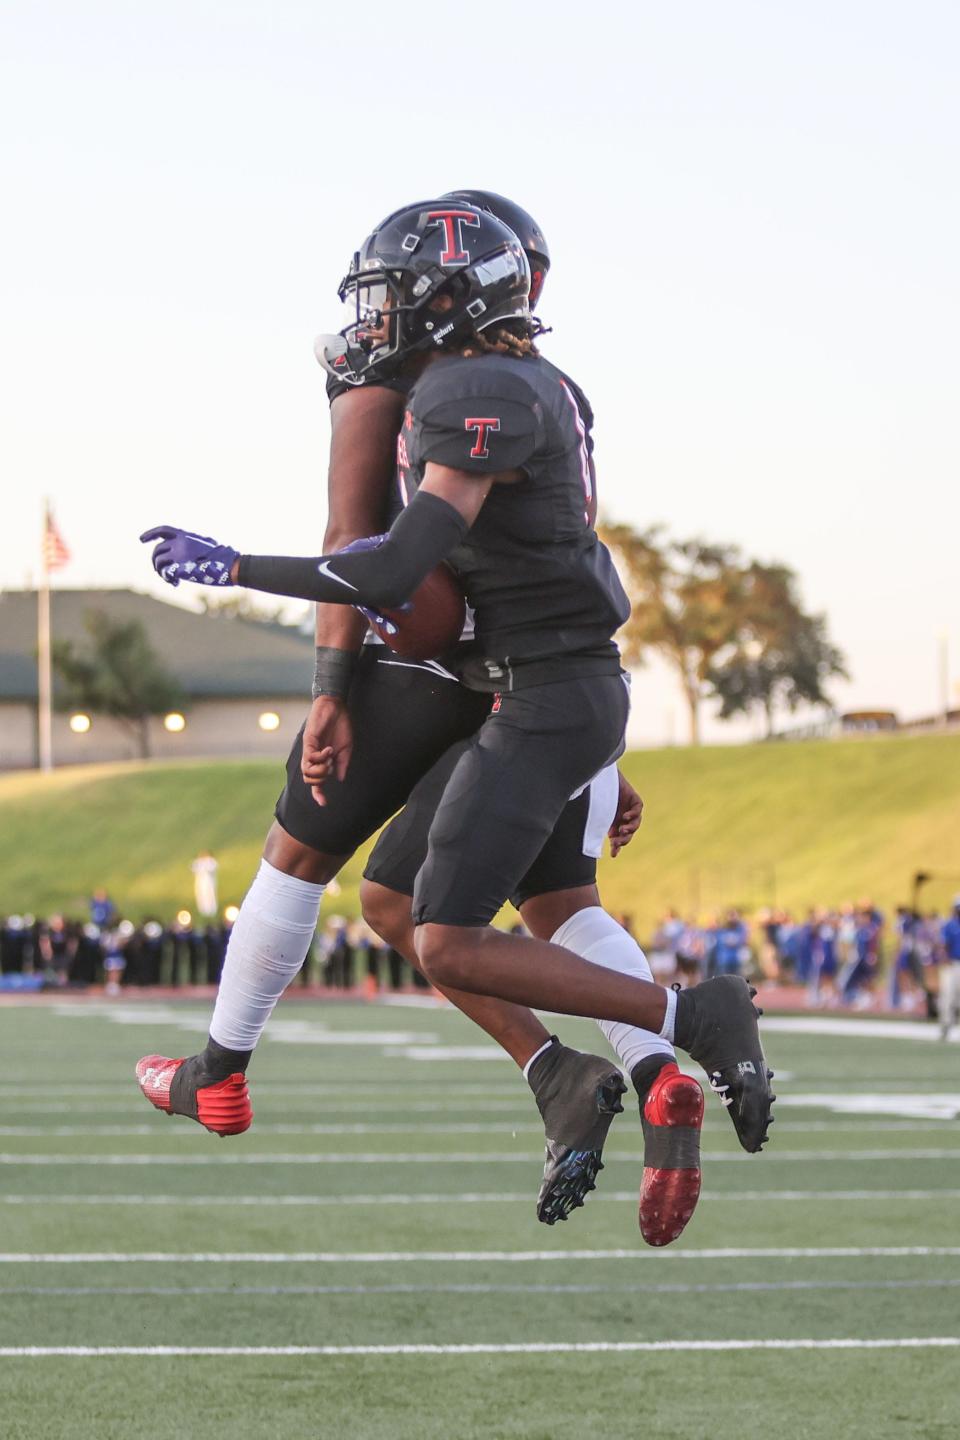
point(363, 441)
point(383, 579)
point(338, 627)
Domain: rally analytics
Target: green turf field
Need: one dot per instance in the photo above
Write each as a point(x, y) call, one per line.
point(384, 1198)
point(797, 824)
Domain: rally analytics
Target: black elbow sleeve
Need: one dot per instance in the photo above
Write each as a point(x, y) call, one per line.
point(421, 536)
point(383, 579)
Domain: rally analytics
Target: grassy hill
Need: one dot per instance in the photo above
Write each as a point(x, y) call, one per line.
point(820, 822)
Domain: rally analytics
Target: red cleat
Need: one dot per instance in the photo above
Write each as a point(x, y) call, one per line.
point(672, 1116)
point(223, 1106)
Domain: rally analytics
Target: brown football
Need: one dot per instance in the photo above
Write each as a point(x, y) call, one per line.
point(434, 620)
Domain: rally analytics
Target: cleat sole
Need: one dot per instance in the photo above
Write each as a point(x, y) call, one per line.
point(570, 1181)
point(672, 1116)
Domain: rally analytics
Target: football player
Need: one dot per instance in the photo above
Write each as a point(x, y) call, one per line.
point(404, 715)
point(496, 468)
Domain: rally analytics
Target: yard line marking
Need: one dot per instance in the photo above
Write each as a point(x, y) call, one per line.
point(470, 1197)
point(9, 1088)
point(440, 1157)
point(917, 1104)
point(926, 1125)
point(288, 1029)
point(844, 1027)
point(68, 1105)
point(920, 1107)
point(452, 1257)
point(531, 1347)
point(714, 1121)
point(268, 1291)
point(450, 1127)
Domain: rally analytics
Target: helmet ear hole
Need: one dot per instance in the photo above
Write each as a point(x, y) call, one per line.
point(441, 303)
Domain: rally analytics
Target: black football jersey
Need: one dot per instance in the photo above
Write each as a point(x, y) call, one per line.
point(543, 587)
point(403, 386)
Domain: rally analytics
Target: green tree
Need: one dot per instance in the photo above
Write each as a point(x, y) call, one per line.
point(780, 655)
point(118, 673)
point(241, 605)
point(685, 597)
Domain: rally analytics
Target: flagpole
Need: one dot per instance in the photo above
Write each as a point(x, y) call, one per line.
point(44, 669)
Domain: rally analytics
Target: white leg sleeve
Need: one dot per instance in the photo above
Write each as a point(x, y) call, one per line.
point(597, 937)
point(267, 948)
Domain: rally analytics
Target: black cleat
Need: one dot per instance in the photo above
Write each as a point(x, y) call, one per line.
point(717, 1026)
point(578, 1096)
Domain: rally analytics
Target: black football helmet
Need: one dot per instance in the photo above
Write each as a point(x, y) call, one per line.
point(426, 277)
point(523, 225)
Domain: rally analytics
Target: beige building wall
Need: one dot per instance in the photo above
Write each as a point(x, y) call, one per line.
point(210, 728)
point(18, 736)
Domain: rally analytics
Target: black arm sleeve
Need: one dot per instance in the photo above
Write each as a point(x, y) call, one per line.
point(421, 536)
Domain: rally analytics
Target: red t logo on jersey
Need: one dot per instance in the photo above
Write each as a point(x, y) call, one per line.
point(453, 252)
point(483, 424)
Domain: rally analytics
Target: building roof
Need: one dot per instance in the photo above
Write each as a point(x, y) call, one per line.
point(212, 656)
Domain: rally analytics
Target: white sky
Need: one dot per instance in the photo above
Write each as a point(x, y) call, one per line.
point(754, 216)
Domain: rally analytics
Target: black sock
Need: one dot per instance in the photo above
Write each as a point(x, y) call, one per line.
point(213, 1064)
point(221, 1062)
point(646, 1071)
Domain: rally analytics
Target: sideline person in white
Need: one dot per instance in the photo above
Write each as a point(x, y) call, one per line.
point(205, 870)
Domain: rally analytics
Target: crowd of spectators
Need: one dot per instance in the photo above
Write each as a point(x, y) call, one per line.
point(106, 949)
point(852, 956)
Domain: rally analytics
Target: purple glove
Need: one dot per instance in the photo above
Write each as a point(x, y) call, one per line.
point(181, 555)
point(371, 542)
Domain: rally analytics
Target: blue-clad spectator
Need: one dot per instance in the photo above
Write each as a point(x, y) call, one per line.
point(856, 980)
point(803, 950)
point(728, 946)
point(103, 912)
point(949, 973)
point(906, 979)
point(823, 958)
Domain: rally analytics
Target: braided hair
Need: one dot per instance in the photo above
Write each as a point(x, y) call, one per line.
point(501, 341)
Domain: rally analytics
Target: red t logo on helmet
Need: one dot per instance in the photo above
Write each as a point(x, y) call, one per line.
point(483, 426)
point(453, 252)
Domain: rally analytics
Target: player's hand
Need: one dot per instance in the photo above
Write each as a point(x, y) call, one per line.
point(327, 744)
point(627, 820)
point(182, 555)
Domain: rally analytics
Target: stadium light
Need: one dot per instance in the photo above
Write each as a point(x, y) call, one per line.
point(174, 722)
point(269, 720)
point(80, 724)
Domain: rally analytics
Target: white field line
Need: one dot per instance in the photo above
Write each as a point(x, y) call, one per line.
point(532, 1347)
point(452, 1127)
point(478, 1197)
point(457, 1257)
point(452, 1158)
point(283, 1088)
point(416, 1093)
point(178, 1292)
point(939, 1108)
point(850, 1027)
point(714, 1122)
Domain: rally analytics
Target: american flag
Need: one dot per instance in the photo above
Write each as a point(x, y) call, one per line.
point(55, 552)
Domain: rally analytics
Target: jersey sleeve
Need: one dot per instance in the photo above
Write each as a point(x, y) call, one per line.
point(479, 429)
